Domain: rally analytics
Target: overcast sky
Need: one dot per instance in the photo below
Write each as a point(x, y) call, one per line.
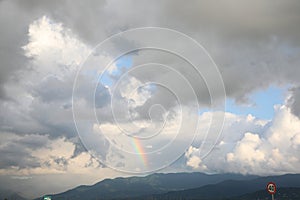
point(216, 89)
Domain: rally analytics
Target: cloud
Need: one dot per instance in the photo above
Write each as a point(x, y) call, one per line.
point(55, 55)
point(294, 101)
point(218, 30)
point(16, 156)
point(255, 44)
point(247, 152)
point(52, 43)
point(271, 148)
point(141, 146)
point(257, 40)
point(64, 35)
point(218, 26)
point(12, 38)
point(193, 159)
point(43, 156)
point(47, 168)
point(17, 151)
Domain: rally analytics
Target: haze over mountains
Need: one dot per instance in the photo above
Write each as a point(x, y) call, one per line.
point(182, 186)
point(10, 195)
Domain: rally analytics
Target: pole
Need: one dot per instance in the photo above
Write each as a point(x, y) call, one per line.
point(272, 196)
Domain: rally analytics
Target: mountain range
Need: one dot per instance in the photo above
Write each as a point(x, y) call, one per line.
point(178, 186)
point(183, 186)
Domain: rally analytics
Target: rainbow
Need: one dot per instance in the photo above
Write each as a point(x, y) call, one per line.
point(138, 147)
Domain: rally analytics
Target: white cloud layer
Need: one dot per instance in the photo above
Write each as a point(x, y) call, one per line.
point(256, 148)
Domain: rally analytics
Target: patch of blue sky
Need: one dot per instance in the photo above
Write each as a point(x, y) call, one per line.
point(261, 103)
point(151, 87)
point(203, 110)
point(122, 64)
point(106, 79)
point(124, 61)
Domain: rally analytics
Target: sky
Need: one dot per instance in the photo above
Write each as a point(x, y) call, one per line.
point(100, 89)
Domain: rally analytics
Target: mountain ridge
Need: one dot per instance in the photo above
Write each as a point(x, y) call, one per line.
point(160, 183)
point(231, 188)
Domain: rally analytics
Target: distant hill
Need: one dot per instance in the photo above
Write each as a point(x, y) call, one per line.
point(142, 186)
point(281, 194)
point(230, 189)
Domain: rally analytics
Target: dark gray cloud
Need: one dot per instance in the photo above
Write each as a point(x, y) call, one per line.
point(256, 36)
point(17, 153)
point(250, 42)
point(79, 147)
point(12, 38)
point(80, 16)
point(33, 142)
point(294, 101)
point(54, 89)
point(63, 162)
point(254, 44)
